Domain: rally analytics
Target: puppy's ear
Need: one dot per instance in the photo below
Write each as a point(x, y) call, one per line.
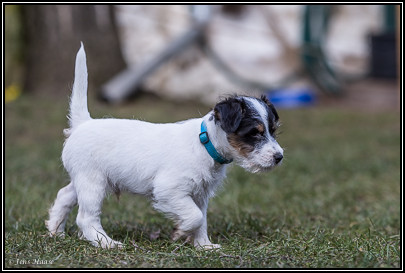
point(271, 106)
point(229, 114)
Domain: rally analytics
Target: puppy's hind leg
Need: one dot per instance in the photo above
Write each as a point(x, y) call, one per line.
point(91, 191)
point(59, 212)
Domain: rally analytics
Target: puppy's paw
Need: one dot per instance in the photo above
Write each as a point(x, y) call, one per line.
point(177, 234)
point(213, 246)
point(57, 234)
point(208, 246)
point(109, 244)
point(118, 245)
point(112, 244)
point(53, 229)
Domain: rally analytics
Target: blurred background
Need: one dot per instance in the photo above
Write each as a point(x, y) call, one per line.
point(296, 54)
point(331, 71)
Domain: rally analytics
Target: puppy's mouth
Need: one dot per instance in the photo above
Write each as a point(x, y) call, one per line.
point(261, 168)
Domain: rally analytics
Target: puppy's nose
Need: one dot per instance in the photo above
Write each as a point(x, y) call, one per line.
point(278, 157)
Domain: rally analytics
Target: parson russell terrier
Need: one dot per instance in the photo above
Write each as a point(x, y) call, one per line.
point(178, 165)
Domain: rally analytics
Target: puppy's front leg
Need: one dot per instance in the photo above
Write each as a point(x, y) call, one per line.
point(192, 223)
point(188, 216)
point(200, 235)
point(181, 208)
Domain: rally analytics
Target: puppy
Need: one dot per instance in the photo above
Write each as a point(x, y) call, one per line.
point(178, 165)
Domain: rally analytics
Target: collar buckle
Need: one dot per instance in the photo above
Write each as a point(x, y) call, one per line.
point(205, 140)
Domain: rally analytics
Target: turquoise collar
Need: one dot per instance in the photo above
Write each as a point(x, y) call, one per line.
point(205, 140)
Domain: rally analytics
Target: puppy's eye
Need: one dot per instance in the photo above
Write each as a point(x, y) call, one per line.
point(273, 130)
point(255, 132)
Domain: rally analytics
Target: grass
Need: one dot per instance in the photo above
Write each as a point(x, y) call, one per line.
point(334, 203)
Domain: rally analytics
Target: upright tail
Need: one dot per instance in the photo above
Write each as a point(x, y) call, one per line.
point(78, 111)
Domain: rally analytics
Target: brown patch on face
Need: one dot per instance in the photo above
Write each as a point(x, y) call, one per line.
point(243, 148)
point(260, 128)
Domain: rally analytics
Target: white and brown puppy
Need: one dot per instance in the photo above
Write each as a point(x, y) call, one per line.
point(178, 165)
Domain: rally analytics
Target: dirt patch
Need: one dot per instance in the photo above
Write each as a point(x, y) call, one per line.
point(366, 95)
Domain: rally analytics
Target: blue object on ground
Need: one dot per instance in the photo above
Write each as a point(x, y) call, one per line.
point(291, 98)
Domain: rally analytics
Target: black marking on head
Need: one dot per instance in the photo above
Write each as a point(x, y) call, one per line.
point(243, 123)
point(272, 114)
point(250, 131)
point(229, 114)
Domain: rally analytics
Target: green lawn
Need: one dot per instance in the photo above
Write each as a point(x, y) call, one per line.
point(334, 202)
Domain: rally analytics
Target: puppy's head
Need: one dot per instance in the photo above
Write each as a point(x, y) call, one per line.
point(250, 125)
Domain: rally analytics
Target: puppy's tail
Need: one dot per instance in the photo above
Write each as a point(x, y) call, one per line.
point(78, 112)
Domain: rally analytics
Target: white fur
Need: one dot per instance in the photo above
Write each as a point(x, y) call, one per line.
point(78, 102)
point(166, 162)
